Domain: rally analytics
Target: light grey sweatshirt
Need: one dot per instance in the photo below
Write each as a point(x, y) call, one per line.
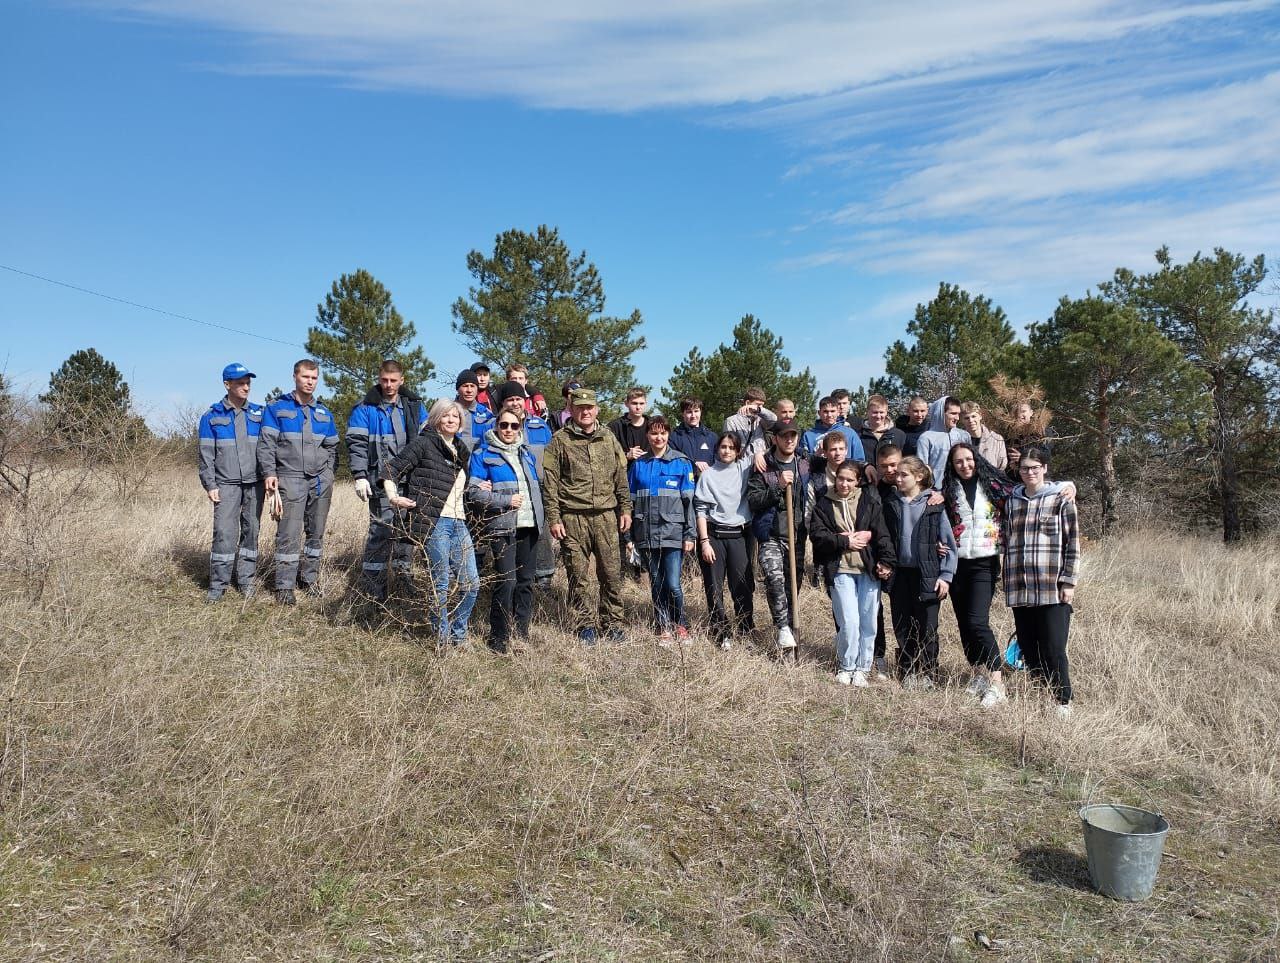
point(721, 493)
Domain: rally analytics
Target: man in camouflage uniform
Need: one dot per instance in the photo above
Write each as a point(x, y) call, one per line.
point(588, 504)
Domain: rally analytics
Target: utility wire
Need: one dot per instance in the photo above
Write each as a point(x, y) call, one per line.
point(147, 307)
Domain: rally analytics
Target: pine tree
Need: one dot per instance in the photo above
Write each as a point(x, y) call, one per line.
point(755, 358)
point(357, 328)
point(88, 399)
point(536, 303)
point(1114, 379)
point(954, 328)
point(1203, 307)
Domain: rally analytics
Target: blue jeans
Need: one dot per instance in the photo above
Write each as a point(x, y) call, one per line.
point(449, 550)
point(855, 601)
point(664, 583)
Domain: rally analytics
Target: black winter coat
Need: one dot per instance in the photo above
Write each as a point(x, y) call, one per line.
point(429, 466)
point(828, 545)
point(767, 499)
point(926, 535)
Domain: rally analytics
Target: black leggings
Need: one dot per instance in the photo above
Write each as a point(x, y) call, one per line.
point(971, 592)
point(1042, 636)
point(733, 561)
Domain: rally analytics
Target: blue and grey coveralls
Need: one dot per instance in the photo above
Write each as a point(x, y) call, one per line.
point(376, 431)
point(299, 445)
point(229, 463)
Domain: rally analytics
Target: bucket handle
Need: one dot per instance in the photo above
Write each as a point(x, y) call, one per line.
point(1146, 793)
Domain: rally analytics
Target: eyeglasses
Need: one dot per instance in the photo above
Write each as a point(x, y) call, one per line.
point(1031, 468)
point(509, 424)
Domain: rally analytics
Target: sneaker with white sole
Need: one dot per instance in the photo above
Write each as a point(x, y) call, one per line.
point(725, 645)
point(1063, 710)
point(786, 638)
point(977, 686)
point(994, 696)
point(844, 678)
point(860, 679)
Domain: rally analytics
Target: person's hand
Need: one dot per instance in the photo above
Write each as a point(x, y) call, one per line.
point(708, 552)
point(688, 547)
point(848, 539)
point(271, 482)
point(701, 466)
point(1066, 593)
point(942, 588)
point(363, 489)
point(624, 523)
point(787, 477)
point(883, 571)
point(746, 411)
point(399, 501)
point(1068, 491)
point(1013, 454)
point(860, 540)
point(635, 452)
point(485, 485)
point(873, 476)
point(540, 407)
point(935, 498)
point(943, 550)
point(215, 496)
point(558, 532)
point(760, 463)
point(517, 500)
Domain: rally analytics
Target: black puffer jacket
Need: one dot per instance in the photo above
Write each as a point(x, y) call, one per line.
point(828, 546)
point(429, 466)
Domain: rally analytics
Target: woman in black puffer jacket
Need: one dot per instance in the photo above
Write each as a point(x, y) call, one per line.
point(434, 469)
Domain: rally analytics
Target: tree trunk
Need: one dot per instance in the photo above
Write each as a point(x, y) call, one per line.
point(1107, 474)
point(1228, 473)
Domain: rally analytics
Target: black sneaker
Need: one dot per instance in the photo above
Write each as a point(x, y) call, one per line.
point(286, 597)
point(215, 595)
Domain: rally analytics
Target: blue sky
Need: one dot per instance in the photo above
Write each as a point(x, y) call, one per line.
point(821, 165)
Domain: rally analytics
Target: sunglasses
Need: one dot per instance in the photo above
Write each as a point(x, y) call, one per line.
point(508, 424)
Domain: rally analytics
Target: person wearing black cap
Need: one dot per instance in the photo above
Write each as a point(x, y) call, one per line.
point(476, 418)
point(229, 475)
point(766, 495)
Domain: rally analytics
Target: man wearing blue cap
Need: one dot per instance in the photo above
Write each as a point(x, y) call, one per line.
point(229, 475)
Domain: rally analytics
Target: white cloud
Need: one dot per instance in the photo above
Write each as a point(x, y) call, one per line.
point(619, 55)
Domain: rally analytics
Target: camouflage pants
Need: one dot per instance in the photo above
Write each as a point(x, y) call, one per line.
point(588, 534)
point(777, 589)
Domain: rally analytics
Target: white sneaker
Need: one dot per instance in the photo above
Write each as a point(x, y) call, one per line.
point(994, 696)
point(725, 645)
point(1063, 710)
point(844, 678)
point(977, 686)
point(860, 679)
point(786, 638)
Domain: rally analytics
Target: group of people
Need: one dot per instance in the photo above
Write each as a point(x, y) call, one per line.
point(917, 508)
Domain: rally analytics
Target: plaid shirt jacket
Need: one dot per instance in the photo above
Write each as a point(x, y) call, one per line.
point(1041, 547)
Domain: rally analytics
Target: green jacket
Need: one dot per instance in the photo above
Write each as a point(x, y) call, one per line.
point(584, 473)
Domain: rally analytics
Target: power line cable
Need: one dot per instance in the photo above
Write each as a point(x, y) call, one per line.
point(147, 307)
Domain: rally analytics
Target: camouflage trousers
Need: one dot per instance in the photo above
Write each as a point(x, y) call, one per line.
point(588, 534)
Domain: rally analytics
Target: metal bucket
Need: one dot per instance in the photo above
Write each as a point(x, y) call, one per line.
point(1123, 845)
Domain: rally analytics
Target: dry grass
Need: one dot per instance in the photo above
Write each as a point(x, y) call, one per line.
point(241, 781)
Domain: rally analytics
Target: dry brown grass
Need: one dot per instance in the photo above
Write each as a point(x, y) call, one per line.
point(240, 781)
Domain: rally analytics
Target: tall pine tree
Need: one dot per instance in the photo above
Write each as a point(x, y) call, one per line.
point(755, 358)
point(1114, 380)
point(88, 399)
point(954, 328)
point(1203, 307)
point(536, 303)
point(357, 328)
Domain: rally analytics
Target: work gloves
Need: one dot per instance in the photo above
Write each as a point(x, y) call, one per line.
point(363, 489)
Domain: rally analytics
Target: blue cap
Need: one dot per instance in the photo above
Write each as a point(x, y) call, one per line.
point(234, 371)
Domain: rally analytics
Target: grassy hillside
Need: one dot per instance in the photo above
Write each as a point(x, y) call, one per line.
point(241, 781)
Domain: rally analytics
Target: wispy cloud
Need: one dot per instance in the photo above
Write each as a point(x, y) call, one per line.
point(619, 55)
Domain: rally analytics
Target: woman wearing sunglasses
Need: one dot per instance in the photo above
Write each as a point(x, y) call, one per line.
point(505, 486)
